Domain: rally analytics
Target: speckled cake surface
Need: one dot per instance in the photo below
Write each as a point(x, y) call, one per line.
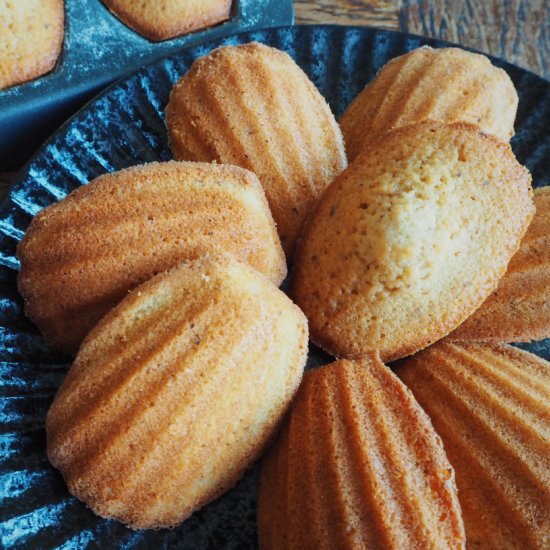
point(123, 127)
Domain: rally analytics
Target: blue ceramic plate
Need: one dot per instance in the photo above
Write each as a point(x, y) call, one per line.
point(122, 127)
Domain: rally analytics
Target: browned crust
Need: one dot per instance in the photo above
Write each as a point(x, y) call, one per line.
point(90, 389)
point(113, 210)
point(167, 28)
point(519, 309)
point(490, 403)
point(465, 88)
point(320, 486)
point(454, 314)
point(30, 69)
point(252, 106)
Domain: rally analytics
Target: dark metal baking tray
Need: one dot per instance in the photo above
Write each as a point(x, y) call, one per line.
point(97, 50)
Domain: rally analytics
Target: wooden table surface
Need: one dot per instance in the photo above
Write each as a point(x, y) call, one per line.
point(515, 30)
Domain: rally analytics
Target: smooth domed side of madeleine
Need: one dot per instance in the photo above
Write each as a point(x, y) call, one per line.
point(411, 239)
point(519, 309)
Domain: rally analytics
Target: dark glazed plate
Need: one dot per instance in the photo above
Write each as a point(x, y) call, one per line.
point(122, 127)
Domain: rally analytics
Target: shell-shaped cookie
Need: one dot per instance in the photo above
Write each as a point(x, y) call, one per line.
point(252, 106)
point(411, 239)
point(490, 403)
point(448, 84)
point(81, 255)
point(163, 19)
point(31, 38)
point(357, 465)
point(519, 309)
point(176, 391)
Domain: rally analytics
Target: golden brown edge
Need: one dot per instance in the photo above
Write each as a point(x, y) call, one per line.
point(300, 359)
point(47, 61)
point(331, 346)
point(161, 31)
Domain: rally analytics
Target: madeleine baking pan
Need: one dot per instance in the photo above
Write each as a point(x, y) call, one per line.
point(97, 50)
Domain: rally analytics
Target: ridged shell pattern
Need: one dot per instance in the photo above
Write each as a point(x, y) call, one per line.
point(122, 127)
point(448, 85)
point(252, 106)
point(176, 391)
point(357, 465)
point(519, 309)
point(82, 255)
point(491, 406)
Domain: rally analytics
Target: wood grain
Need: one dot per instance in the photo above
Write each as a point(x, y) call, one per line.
point(378, 13)
point(515, 30)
